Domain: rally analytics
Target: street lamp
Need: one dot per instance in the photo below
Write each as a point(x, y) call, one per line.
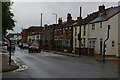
point(56, 17)
point(56, 25)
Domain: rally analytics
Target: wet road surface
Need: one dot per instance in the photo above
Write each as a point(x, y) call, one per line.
point(42, 65)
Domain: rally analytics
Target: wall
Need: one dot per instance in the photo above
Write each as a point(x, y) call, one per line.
point(75, 36)
point(113, 36)
point(119, 34)
point(101, 33)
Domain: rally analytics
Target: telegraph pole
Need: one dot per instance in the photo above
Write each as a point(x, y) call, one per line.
point(41, 19)
point(55, 28)
point(79, 35)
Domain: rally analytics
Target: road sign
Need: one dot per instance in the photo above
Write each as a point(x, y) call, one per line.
point(8, 44)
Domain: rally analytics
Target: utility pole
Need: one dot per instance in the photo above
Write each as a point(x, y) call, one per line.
point(40, 34)
point(79, 35)
point(41, 19)
point(105, 43)
point(55, 28)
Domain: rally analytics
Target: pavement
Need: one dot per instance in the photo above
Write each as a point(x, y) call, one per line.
point(98, 58)
point(4, 64)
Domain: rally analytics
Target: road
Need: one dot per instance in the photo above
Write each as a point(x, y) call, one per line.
point(48, 65)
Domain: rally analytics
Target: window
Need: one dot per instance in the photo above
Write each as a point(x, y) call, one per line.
point(37, 36)
point(101, 25)
point(75, 31)
point(90, 44)
point(84, 42)
point(113, 44)
point(75, 42)
point(93, 26)
point(67, 43)
point(93, 44)
point(70, 32)
point(84, 33)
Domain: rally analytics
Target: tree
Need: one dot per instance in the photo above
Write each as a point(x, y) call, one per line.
point(8, 23)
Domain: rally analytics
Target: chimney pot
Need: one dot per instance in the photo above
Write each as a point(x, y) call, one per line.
point(69, 18)
point(79, 19)
point(60, 21)
point(102, 9)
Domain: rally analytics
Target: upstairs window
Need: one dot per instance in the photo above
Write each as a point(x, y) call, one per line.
point(101, 25)
point(84, 42)
point(93, 26)
point(84, 33)
point(113, 44)
point(75, 31)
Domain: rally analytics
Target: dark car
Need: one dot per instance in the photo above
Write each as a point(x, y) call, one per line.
point(35, 47)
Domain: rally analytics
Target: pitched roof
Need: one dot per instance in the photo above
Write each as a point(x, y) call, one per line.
point(93, 16)
point(65, 24)
point(31, 27)
point(107, 15)
point(86, 20)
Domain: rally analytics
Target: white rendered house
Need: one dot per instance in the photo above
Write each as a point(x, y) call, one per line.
point(98, 31)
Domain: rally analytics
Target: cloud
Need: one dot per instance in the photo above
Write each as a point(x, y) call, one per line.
point(28, 13)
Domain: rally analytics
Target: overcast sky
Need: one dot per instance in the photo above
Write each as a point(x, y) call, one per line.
point(28, 13)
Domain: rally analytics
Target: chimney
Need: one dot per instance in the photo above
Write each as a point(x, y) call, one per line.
point(79, 18)
point(69, 18)
point(60, 21)
point(102, 9)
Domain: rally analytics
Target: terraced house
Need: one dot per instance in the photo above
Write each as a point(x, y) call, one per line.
point(93, 32)
point(48, 37)
point(98, 31)
point(26, 33)
point(64, 35)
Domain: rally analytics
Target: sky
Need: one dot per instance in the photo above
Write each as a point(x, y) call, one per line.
point(29, 13)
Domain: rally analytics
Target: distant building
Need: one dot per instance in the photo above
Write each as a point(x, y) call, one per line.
point(27, 32)
point(34, 37)
point(13, 37)
point(63, 35)
point(48, 37)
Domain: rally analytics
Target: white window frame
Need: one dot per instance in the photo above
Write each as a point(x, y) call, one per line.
point(93, 26)
point(84, 30)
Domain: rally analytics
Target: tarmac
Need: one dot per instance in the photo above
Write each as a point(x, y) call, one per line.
point(4, 58)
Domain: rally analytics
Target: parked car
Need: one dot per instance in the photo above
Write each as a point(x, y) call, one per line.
point(25, 46)
point(35, 47)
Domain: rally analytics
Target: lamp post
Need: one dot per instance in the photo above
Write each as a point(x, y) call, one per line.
point(56, 27)
point(56, 17)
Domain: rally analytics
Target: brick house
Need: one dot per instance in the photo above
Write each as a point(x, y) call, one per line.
point(26, 32)
point(34, 37)
point(48, 37)
point(63, 34)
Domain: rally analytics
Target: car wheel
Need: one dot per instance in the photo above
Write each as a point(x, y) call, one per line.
point(40, 51)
